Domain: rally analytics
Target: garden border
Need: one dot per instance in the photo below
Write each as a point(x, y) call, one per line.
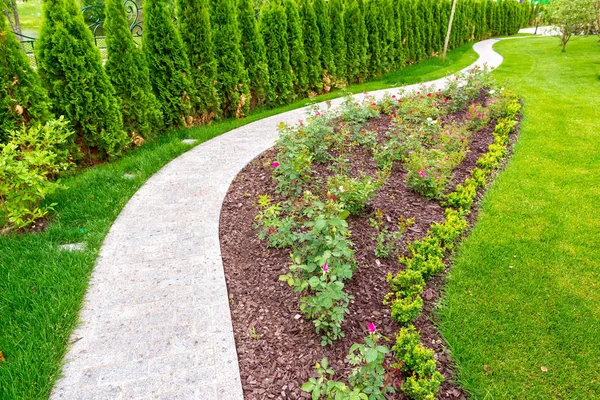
point(155, 320)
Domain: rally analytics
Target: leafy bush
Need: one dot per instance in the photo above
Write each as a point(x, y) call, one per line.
point(353, 193)
point(428, 173)
point(28, 163)
point(272, 225)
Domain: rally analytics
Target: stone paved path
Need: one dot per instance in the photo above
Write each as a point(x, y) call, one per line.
point(155, 322)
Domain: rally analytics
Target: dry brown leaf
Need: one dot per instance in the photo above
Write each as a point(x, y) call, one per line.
point(19, 109)
point(544, 369)
point(2, 359)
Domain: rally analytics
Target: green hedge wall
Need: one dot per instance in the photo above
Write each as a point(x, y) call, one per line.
point(233, 58)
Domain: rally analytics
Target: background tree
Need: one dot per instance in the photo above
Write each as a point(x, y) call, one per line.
point(255, 55)
point(324, 25)
point(167, 63)
point(296, 48)
point(232, 77)
point(273, 28)
point(70, 66)
point(357, 43)
point(338, 41)
point(23, 99)
point(312, 46)
point(196, 33)
point(570, 17)
point(128, 72)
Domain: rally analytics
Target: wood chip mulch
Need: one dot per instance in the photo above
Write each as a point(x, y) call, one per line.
point(277, 346)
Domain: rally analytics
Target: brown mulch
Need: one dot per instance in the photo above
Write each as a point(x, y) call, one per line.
point(277, 347)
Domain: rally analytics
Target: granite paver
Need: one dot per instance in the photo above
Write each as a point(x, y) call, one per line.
point(155, 323)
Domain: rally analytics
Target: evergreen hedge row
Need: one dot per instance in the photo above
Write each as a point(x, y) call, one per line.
point(222, 58)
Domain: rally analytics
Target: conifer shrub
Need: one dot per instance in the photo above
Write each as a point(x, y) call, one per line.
point(357, 43)
point(232, 77)
point(273, 28)
point(167, 63)
point(255, 55)
point(312, 47)
point(128, 72)
point(373, 27)
point(338, 41)
point(196, 33)
point(71, 69)
point(23, 99)
point(324, 25)
point(295, 39)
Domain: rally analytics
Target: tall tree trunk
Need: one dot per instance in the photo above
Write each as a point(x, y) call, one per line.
point(13, 20)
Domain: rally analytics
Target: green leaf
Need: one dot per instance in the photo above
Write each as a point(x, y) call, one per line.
point(371, 355)
point(307, 387)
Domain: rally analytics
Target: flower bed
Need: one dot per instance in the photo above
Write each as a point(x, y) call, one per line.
point(367, 201)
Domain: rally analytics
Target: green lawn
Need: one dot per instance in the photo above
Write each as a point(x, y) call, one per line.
point(41, 288)
point(524, 292)
point(30, 14)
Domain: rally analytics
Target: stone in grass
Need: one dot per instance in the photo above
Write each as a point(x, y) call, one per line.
point(72, 247)
point(189, 141)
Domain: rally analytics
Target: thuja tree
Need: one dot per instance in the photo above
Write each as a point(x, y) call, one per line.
point(324, 25)
point(168, 64)
point(296, 48)
point(23, 99)
point(128, 72)
point(196, 33)
point(254, 51)
point(338, 40)
point(312, 46)
point(357, 43)
point(232, 77)
point(273, 28)
point(70, 66)
point(376, 46)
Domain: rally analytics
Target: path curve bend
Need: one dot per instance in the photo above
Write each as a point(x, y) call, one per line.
point(155, 322)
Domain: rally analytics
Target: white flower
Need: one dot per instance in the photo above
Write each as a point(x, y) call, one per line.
point(461, 84)
point(341, 189)
point(492, 91)
point(429, 119)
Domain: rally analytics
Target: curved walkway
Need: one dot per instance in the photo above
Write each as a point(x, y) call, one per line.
point(155, 321)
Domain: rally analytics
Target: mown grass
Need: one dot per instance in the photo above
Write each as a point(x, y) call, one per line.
point(30, 15)
point(41, 287)
point(524, 292)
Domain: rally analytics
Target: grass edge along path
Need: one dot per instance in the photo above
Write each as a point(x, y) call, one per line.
point(42, 288)
point(520, 313)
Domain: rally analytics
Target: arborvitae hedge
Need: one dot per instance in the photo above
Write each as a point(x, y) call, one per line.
point(298, 60)
point(312, 47)
point(338, 41)
point(254, 51)
point(324, 25)
point(357, 43)
point(70, 66)
point(273, 28)
point(168, 64)
point(128, 72)
point(23, 99)
point(196, 33)
point(232, 77)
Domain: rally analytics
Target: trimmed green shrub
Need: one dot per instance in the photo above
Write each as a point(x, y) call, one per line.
point(357, 43)
point(23, 99)
point(255, 54)
point(196, 33)
point(273, 28)
point(70, 66)
point(296, 48)
point(128, 72)
point(168, 65)
point(338, 41)
point(232, 77)
point(312, 47)
point(324, 25)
